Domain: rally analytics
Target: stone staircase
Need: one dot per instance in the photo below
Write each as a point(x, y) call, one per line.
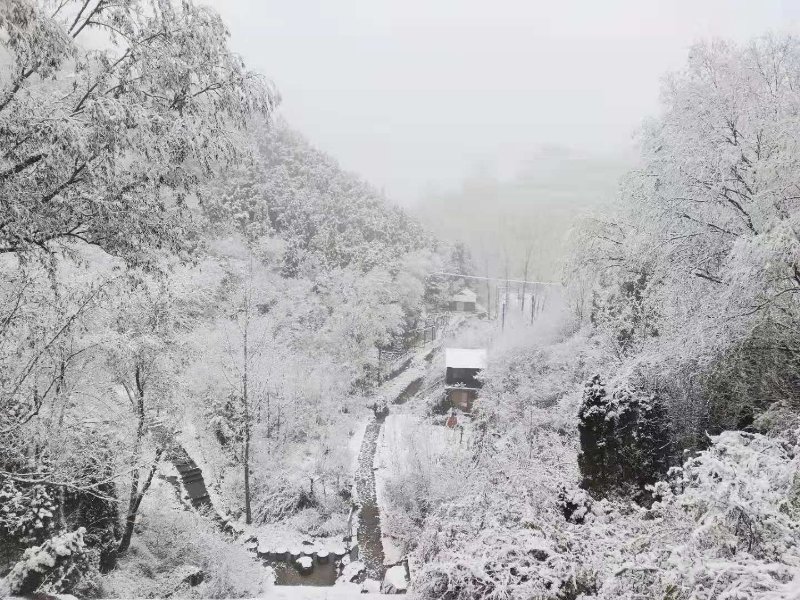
point(192, 478)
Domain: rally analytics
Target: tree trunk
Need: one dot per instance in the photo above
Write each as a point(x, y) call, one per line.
point(506, 273)
point(135, 502)
point(136, 494)
point(248, 516)
point(246, 401)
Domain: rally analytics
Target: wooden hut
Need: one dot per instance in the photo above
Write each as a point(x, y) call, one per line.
point(462, 367)
point(464, 301)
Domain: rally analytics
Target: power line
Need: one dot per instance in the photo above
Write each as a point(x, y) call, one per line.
point(497, 279)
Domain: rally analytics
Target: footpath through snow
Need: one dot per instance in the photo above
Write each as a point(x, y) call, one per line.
point(369, 534)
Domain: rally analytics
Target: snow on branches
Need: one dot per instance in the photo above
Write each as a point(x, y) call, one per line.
point(25, 513)
point(106, 144)
point(51, 567)
point(625, 439)
point(738, 505)
point(725, 526)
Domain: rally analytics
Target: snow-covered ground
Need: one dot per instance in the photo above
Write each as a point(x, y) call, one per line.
point(407, 442)
point(344, 592)
point(276, 537)
point(354, 445)
point(390, 390)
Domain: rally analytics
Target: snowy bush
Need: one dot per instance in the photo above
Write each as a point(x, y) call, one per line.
point(26, 512)
point(575, 504)
point(427, 466)
point(505, 538)
point(726, 526)
point(54, 567)
point(744, 491)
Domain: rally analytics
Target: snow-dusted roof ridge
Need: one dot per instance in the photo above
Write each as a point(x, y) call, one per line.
point(465, 295)
point(465, 358)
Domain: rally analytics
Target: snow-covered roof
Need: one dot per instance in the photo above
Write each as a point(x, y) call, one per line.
point(465, 295)
point(465, 358)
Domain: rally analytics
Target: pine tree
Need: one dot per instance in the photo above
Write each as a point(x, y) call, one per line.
point(655, 440)
point(625, 440)
point(593, 457)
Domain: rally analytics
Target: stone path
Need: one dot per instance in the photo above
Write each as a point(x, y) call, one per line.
point(370, 546)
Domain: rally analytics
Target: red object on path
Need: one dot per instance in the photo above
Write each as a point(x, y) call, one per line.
point(452, 421)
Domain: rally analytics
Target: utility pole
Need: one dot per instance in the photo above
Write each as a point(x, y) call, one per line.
point(488, 291)
point(533, 306)
point(245, 399)
point(506, 273)
point(528, 252)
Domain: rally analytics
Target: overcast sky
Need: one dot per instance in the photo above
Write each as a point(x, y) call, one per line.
point(414, 94)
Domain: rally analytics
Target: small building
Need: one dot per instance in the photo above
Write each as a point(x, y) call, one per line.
point(462, 367)
point(464, 301)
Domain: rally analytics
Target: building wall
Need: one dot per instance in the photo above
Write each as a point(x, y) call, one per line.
point(461, 398)
point(464, 377)
point(461, 306)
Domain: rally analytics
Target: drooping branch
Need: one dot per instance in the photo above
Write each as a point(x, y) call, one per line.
point(34, 360)
point(19, 167)
point(707, 276)
point(98, 7)
point(16, 87)
point(711, 226)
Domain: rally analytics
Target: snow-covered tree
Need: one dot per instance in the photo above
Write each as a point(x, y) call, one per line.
point(698, 267)
point(106, 141)
point(326, 216)
point(625, 439)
